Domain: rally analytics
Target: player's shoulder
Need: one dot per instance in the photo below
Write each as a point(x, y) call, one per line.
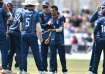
point(36, 12)
point(61, 17)
point(101, 19)
point(41, 13)
point(20, 10)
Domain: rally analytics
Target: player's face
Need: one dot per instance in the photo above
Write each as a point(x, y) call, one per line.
point(45, 8)
point(53, 12)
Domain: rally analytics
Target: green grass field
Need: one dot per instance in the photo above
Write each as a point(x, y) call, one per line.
point(74, 67)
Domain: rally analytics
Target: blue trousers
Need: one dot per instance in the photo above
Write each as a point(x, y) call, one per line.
point(30, 40)
point(92, 57)
point(44, 55)
point(15, 47)
point(53, 61)
point(96, 56)
point(4, 50)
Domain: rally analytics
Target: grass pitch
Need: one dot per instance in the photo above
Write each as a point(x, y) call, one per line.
point(74, 67)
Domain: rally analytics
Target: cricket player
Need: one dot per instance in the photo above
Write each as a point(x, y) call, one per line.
point(4, 16)
point(14, 41)
point(99, 42)
point(94, 18)
point(57, 40)
point(29, 19)
point(45, 16)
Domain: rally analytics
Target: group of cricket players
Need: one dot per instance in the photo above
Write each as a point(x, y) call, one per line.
point(20, 29)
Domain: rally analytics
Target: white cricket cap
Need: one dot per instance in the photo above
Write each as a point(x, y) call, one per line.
point(30, 2)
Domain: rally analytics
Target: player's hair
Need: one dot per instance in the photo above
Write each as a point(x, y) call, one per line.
point(55, 7)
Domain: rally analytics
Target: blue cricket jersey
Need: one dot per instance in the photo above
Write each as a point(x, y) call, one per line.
point(44, 18)
point(29, 21)
point(14, 27)
point(99, 30)
point(58, 37)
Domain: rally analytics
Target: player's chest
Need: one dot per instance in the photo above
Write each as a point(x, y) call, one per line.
point(56, 23)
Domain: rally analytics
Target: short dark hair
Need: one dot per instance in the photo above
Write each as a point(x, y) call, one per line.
point(55, 7)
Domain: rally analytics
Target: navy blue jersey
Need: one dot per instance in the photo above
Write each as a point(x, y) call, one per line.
point(58, 37)
point(29, 21)
point(3, 19)
point(99, 30)
point(44, 18)
point(94, 17)
point(14, 27)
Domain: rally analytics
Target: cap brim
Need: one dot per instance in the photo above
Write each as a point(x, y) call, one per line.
point(44, 5)
point(29, 4)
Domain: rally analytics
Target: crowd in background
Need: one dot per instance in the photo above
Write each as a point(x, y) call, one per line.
point(78, 30)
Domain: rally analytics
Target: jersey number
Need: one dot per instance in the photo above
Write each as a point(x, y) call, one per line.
point(103, 28)
point(27, 22)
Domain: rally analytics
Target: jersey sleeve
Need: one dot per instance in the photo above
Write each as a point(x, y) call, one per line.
point(94, 17)
point(97, 26)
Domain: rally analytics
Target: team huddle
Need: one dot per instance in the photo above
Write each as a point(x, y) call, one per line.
point(20, 30)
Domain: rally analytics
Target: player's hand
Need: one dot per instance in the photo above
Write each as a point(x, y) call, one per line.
point(41, 40)
point(98, 8)
point(51, 30)
point(47, 41)
point(49, 22)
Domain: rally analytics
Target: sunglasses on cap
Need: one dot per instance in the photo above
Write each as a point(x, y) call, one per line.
point(45, 6)
point(102, 7)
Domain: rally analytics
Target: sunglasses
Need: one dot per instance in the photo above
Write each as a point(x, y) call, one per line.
point(45, 6)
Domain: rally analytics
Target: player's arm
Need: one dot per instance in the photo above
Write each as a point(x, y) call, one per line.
point(97, 28)
point(39, 28)
point(39, 31)
point(95, 15)
point(60, 29)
